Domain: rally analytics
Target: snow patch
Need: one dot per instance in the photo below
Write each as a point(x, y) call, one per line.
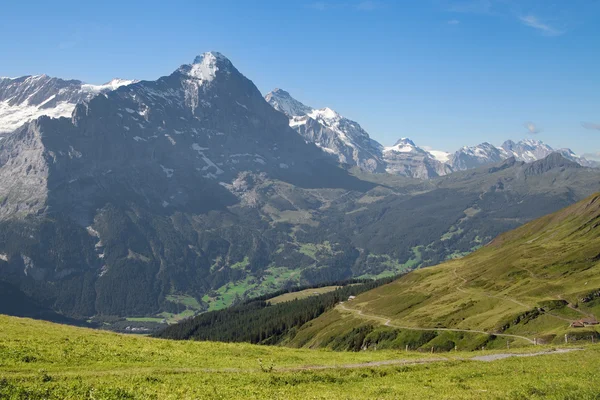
point(12, 117)
point(112, 85)
point(167, 171)
point(207, 161)
point(173, 142)
point(441, 156)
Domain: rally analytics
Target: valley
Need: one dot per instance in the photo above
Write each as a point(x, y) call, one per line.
point(529, 285)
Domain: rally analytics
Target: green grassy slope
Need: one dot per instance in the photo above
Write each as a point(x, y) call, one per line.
point(41, 360)
point(530, 282)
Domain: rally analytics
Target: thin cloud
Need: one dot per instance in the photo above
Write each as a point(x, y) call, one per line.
point(532, 128)
point(453, 22)
point(591, 125)
point(546, 30)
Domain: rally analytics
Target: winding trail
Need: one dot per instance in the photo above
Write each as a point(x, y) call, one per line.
point(388, 322)
point(414, 361)
point(513, 300)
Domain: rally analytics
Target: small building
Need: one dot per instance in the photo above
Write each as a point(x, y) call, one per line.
point(584, 322)
point(351, 298)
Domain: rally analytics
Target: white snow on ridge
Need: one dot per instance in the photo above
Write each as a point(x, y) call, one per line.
point(297, 121)
point(15, 115)
point(12, 117)
point(108, 86)
point(441, 156)
point(205, 67)
point(399, 148)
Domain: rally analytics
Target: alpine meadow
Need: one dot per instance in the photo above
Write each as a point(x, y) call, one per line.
point(348, 200)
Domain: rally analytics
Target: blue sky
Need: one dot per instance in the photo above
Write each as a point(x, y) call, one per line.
point(445, 73)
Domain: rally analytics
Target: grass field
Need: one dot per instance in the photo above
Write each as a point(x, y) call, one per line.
point(301, 294)
point(40, 360)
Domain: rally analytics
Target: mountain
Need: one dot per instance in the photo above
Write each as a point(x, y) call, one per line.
point(352, 145)
point(405, 158)
point(189, 193)
point(532, 282)
point(331, 132)
point(347, 141)
point(28, 97)
point(125, 202)
point(284, 102)
point(528, 150)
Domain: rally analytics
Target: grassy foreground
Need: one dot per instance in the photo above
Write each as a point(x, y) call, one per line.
point(41, 360)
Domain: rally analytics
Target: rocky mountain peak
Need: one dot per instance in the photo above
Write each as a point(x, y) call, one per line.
point(282, 101)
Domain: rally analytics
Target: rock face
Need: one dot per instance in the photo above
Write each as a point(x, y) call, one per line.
point(405, 158)
point(351, 144)
point(29, 97)
point(334, 134)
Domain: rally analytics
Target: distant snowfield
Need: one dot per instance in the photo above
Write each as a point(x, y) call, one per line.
point(441, 156)
point(15, 115)
point(12, 117)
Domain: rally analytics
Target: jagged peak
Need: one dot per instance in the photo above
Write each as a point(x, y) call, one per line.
point(403, 145)
point(210, 56)
point(206, 65)
point(406, 141)
point(282, 101)
point(278, 92)
point(325, 113)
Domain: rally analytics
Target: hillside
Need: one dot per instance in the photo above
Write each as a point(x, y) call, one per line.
point(531, 282)
point(41, 360)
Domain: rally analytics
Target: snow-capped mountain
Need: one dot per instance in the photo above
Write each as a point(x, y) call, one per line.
point(330, 131)
point(527, 150)
point(133, 188)
point(346, 140)
point(204, 123)
point(475, 156)
point(406, 158)
point(282, 101)
point(29, 97)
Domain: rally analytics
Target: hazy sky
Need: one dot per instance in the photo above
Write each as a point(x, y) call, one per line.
point(445, 73)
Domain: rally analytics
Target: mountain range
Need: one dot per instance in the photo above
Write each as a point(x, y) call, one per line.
point(352, 145)
point(28, 97)
point(170, 197)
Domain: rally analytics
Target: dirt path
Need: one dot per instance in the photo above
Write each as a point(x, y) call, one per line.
point(485, 358)
point(388, 322)
point(460, 289)
point(501, 356)
point(513, 300)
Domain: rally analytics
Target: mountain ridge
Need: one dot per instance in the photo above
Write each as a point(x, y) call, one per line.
point(404, 157)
